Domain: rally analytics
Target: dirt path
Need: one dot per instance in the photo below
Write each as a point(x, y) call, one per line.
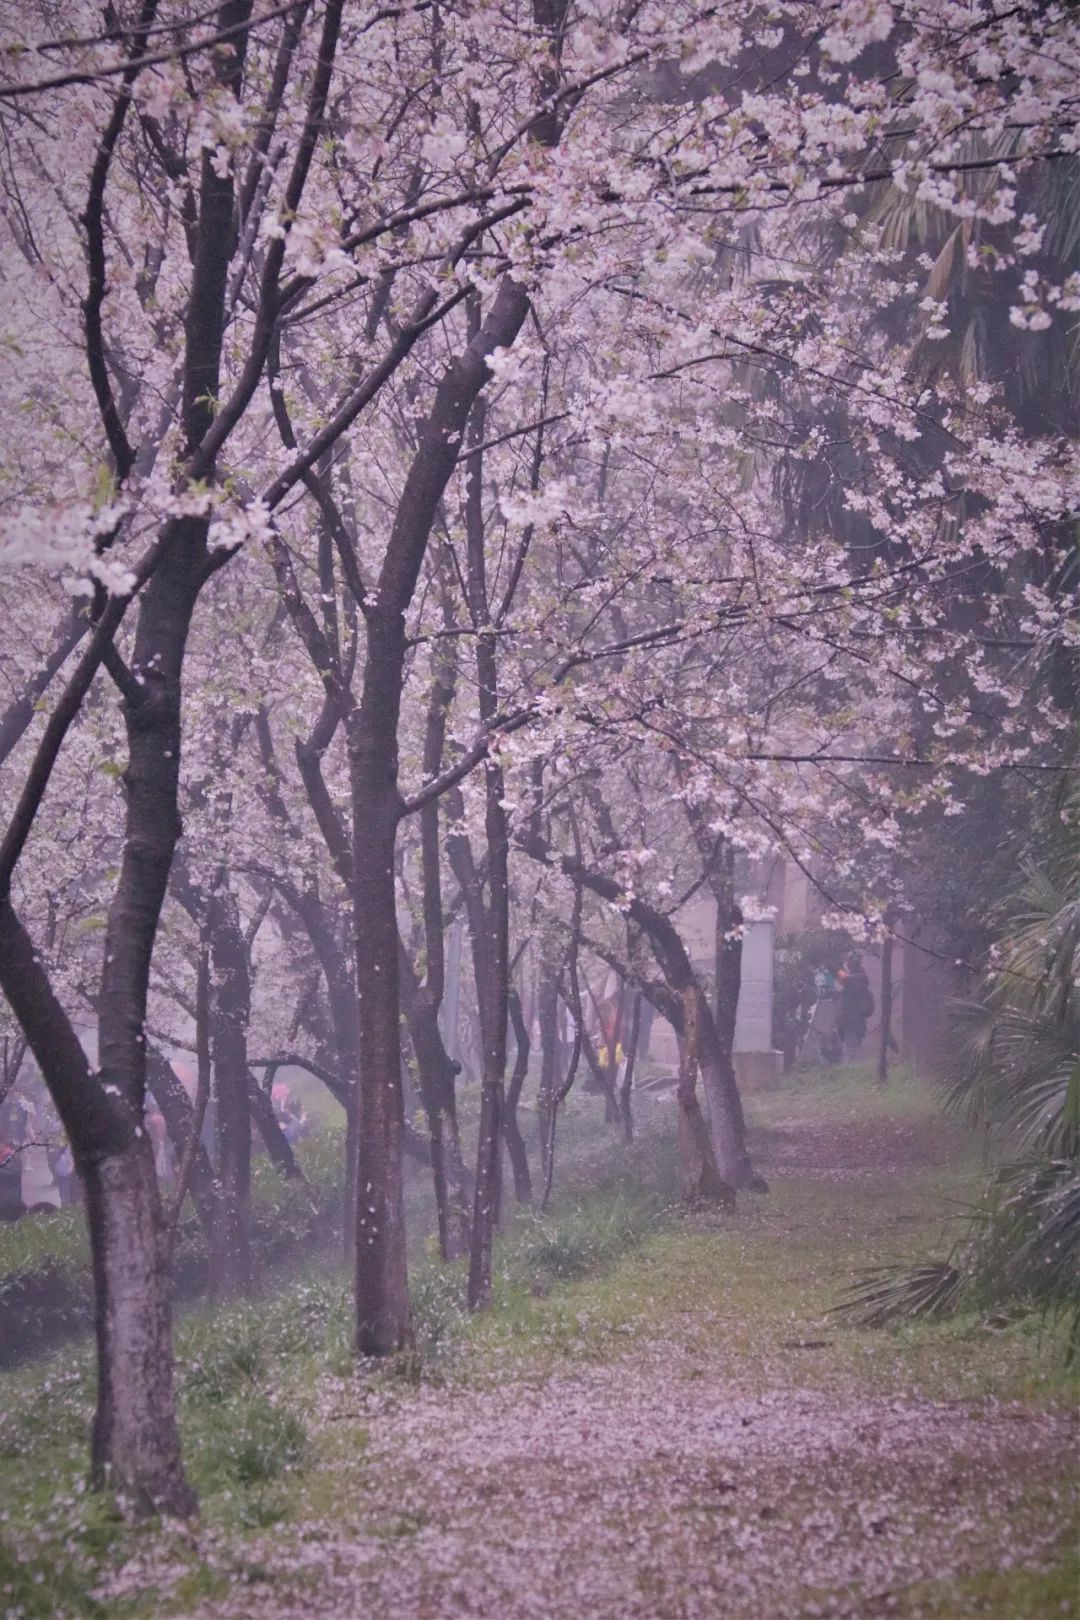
point(649, 1487)
point(674, 1471)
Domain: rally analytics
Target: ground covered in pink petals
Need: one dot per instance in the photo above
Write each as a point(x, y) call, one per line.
point(678, 1465)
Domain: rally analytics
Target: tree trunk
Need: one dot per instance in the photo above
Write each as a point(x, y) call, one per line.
point(135, 1442)
point(230, 1009)
point(179, 1117)
point(491, 932)
point(549, 1018)
point(437, 1073)
point(885, 1040)
point(626, 1090)
point(515, 1142)
point(275, 1141)
point(703, 1179)
point(135, 1447)
point(726, 1124)
point(603, 1081)
point(383, 1319)
point(438, 1069)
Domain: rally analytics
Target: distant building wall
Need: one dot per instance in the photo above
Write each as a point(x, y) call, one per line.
point(923, 983)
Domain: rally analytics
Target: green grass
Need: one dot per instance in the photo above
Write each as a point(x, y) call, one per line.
point(618, 1257)
point(38, 1240)
point(824, 1093)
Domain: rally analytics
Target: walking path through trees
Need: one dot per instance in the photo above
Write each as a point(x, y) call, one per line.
point(686, 1434)
point(657, 1420)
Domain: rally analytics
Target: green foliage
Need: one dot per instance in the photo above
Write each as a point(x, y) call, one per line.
point(251, 1442)
point(582, 1240)
point(230, 1367)
point(1014, 1074)
point(274, 1412)
point(797, 958)
point(36, 1589)
point(58, 1239)
point(438, 1310)
point(45, 1285)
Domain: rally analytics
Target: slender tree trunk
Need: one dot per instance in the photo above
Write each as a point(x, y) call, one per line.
point(729, 920)
point(626, 1090)
point(549, 1018)
point(182, 1125)
point(230, 1009)
point(275, 1141)
point(492, 954)
point(437, 1068)
point(437, 1074)
point(383, 1315)
point(345, 1025)
point(383, 1318)
point(885, 1039)
point(515, 1142)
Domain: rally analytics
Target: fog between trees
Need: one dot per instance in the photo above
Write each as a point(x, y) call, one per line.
point(501, 502)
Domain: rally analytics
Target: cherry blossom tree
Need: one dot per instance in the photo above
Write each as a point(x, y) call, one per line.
point(494, 440)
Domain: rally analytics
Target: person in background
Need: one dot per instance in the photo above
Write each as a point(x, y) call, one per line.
point(159, 1141)
point(856, 1007)
point(39, 1190)
point(822, 1044)
point(64, 1175)
point(294, 1122)
point(11, 1204)
point(290, 1114)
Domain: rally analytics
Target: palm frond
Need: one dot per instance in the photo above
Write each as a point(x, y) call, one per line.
point(1013, 1070)
point(884, 1294)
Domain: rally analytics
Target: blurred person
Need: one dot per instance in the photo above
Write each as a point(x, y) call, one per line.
point(37, 1184)
point(822, 1044)
point(11, 1204)
point(856, 1005)
point(64, 1175)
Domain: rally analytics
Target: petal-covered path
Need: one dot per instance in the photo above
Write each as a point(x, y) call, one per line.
point(653, 1486)
point(672, 1458)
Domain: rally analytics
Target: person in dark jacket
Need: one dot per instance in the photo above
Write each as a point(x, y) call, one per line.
point(856, 1006)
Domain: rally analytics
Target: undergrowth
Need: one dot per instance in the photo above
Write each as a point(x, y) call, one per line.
point(617, 1258)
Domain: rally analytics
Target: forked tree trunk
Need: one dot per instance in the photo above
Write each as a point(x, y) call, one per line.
point(437, 1073)
point(727, 1128)
point(180, 1122)
point(383, 1322)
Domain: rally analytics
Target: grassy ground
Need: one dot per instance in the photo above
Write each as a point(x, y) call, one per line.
point(659, 1418)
